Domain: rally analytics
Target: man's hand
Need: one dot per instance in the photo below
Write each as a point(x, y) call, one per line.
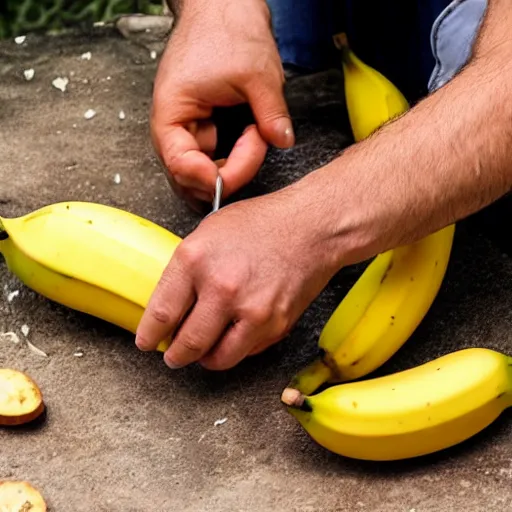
point(221, 54)
point(241, 279)
point(239, 282)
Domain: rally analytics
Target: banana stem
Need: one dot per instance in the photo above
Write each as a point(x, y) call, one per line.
point(294, 398)
point(308, 380)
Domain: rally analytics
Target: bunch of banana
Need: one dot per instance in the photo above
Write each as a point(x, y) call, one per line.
point(396, 290)
point(411, 413)
point(90, 257)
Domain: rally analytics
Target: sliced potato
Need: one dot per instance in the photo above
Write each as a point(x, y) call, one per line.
point(21, 400)
point(19, 496)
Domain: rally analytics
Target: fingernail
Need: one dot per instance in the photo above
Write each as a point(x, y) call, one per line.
point(284, 129)
point(140, 343)
point(171, 365)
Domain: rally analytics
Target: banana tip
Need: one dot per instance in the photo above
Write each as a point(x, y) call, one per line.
point(292, 397)
point(340, 40)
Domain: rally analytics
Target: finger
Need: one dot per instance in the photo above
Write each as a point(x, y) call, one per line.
point(271, 113)
point(200, 331)
point(233, 348)
point(197, 200)
point(182, 156)
point(244, 161)
point(264, 345)
point(205, 133)
point(168, 305)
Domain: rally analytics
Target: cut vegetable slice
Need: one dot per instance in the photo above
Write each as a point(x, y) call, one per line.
point(21, 400)
point(19, 496)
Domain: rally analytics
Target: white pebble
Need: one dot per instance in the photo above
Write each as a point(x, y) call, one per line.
point(108, 78)
point(220, 422)
point(20, 39)
point(10, 336)
point(78, 353)
point(25, 329)
point(122, 115)
point(86, 56)
point(74, 125)
point(11, 295)
point(29, 74)
point(90, 114)
point(60, 83)
point(153, 54)
point(117, 178)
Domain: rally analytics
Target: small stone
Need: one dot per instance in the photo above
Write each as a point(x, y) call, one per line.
point(61, 83)
point(25, 329)
point(11, 295)
point(10, 336)
point(122, 115)
point(108, 78)
point(29, 74)
point(117, 178)
point(153, 54)
point(78, 353)
point(220, 422)
point(90, 114)
point(20, 39)
point(86, 56)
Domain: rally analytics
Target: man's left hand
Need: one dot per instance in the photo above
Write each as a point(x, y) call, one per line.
point(238, 283)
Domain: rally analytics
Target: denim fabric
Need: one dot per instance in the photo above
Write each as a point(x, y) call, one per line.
point(418, 45)
point(303, 30)
point(452, 39)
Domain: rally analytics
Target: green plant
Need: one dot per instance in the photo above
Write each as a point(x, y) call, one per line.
point(22, 16)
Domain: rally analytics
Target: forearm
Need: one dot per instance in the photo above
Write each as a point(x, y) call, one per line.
point(445, 159)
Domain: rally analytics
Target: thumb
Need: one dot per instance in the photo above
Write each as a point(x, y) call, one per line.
point(271, 114)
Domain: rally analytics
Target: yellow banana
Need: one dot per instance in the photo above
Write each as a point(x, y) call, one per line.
point(93, 258)
point(411, 413)
point(396, 290)
point(372, 100)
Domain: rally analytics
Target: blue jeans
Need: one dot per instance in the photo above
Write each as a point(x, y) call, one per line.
point(419, 45)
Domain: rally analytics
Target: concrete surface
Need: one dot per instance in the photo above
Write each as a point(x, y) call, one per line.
point(124, 433)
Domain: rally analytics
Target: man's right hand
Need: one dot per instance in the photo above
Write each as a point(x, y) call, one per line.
point(220, 54)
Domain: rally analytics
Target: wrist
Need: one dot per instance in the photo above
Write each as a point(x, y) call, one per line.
point(347, 215)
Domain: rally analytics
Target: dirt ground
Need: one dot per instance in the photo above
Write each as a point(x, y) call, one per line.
point(125, 433)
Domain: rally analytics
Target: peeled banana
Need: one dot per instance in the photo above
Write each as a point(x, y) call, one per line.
point(410, 413)
point(396, 290)
point(90, 257)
